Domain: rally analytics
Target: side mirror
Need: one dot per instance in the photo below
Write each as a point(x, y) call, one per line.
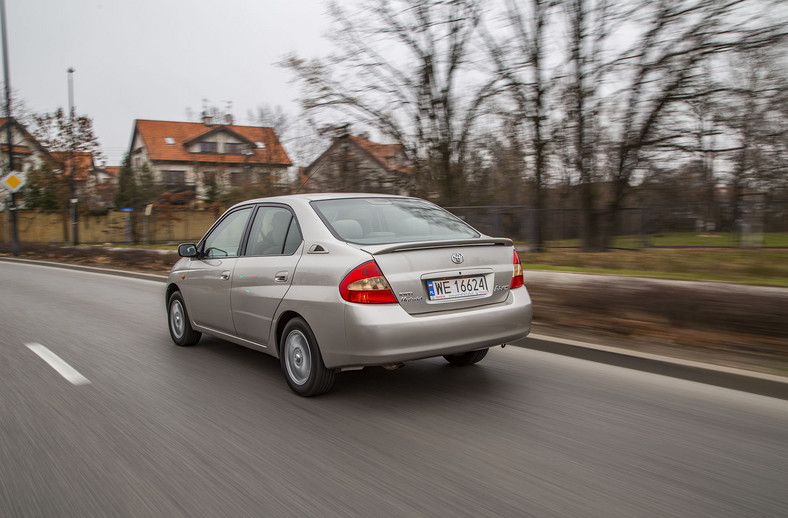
point(187, 250)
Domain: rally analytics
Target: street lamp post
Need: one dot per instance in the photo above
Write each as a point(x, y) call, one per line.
point(9, 134)
point(73, 200)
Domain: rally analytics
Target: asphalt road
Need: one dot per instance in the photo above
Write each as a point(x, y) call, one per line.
point(141, 427)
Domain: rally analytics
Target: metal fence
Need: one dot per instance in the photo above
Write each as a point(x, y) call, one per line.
point(695, 225)
point(748, 224)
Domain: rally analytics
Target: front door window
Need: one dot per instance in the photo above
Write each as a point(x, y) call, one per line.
point(225, 240)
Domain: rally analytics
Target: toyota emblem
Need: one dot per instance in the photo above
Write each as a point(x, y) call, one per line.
point(457, 258)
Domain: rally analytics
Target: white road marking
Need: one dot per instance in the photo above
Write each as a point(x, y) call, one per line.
point(57, 363)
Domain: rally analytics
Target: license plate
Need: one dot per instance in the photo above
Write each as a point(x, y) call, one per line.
point(457, 287)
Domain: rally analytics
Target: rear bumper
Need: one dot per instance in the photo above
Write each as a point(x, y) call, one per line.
point(383, 334)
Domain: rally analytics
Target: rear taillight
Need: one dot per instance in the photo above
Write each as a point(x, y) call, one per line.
point(517, 273)
point(366, 285)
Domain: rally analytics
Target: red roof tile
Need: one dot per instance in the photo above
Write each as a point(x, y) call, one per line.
point(154, 134)
point(83, 163)
point(383, 153)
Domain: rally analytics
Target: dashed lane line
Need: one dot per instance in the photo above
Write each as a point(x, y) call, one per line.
point(57, 363)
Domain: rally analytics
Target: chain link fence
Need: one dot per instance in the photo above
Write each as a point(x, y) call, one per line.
point(751, 223)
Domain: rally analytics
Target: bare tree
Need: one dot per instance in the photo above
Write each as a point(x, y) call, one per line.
point(671, 40)
point(588, 26)
point(402, 68)
point(519, 61)
point(757, 123)
point(55, 132)
point(268, 116)
point(300, 135)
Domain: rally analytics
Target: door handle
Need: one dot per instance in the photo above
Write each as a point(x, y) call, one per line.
point(225, 275)
point(280, 277)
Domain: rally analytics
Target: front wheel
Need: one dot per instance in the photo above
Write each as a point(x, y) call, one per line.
point(302, 364)
point(468, 358)
point(180, 328)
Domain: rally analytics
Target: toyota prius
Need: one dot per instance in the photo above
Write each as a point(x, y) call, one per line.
point(334, 282)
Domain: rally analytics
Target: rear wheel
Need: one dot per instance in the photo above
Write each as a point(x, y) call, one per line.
point(468, 358)
point(302, 364)
point(180, 328)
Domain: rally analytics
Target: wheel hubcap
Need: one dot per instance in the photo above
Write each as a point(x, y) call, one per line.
point(176, 319)
point(296, 356)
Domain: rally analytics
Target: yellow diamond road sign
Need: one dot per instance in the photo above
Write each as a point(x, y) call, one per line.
point(13, 181)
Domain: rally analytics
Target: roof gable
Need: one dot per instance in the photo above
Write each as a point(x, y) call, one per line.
point(23, 149)
point(215, 130)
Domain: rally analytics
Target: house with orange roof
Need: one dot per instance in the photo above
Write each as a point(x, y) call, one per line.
point(95, 186)
point(30, 155)
point(356, 164)
point(184, 156)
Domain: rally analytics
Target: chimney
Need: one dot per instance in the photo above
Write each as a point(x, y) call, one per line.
point(341, 131)
point(207, 119)
point(228, 119)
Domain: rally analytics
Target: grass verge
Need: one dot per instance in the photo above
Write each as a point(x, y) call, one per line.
point(748, 266)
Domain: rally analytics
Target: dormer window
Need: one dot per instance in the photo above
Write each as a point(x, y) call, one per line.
point(208, 147)
point(259, 145)
point(169, 141)
point(233, 147)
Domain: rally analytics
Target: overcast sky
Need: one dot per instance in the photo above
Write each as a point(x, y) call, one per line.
point(154, 59)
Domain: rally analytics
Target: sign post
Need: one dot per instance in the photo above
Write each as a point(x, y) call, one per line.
point(14, 181)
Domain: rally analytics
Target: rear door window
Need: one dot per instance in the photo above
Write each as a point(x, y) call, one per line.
point(274, 231)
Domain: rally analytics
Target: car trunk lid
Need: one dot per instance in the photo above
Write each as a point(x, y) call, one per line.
point(432, 276)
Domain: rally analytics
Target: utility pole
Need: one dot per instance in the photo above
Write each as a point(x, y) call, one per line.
point(74, 200)
point(9, 129)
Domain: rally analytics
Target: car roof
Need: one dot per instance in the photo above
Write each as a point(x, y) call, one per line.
point(307, 197)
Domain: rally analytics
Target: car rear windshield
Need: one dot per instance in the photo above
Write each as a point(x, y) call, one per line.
point(379, 221)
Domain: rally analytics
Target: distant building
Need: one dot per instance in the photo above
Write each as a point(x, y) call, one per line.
point(102, 186)
point(355, 164)
point(94, 187)
point(83, 165)
point(191, 156)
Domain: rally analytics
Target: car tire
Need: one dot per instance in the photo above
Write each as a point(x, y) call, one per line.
point(302, 364)
point(468, 358)
point(180, 326)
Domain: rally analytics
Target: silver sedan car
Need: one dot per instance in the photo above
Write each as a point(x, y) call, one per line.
point(333, 282)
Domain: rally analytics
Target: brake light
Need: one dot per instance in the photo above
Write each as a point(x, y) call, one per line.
point(517, 272)
point(366, 285)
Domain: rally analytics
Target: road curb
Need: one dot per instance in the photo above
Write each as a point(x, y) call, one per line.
point(107, 270)
point(720, 376)
point(727, 377)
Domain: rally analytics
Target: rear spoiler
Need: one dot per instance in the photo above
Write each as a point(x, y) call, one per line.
point(426, 245)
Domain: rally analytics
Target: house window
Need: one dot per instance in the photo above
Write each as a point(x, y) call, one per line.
point(259, 145)
point(169, 141)
point(174, 178)
point(208, 147)
point(233, 147)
